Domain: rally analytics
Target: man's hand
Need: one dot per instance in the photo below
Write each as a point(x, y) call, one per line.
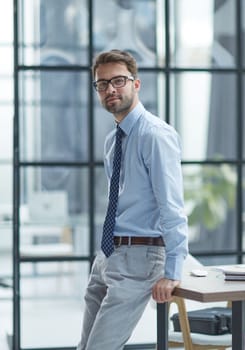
point(163, 289)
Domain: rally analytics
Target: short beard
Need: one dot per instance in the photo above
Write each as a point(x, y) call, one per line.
point(123, 107)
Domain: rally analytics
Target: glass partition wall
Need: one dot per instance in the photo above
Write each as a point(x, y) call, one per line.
point(191, 64)
point(6, 170)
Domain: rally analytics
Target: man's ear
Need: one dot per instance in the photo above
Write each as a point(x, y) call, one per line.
point(137, 84)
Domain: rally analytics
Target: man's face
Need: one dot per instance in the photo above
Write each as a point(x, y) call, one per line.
point(118, 101)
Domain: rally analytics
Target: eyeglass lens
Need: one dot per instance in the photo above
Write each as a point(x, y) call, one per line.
point(116, 82)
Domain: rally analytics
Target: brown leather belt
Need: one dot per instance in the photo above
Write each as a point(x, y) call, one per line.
point(158, 241)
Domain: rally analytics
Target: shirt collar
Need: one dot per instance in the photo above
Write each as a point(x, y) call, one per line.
point(128, 122)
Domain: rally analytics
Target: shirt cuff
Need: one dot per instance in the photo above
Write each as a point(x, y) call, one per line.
point(174, 267)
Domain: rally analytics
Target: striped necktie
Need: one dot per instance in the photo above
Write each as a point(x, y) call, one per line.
point(107, 243)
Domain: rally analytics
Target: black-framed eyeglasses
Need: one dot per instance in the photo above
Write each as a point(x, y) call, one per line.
point(117, 82)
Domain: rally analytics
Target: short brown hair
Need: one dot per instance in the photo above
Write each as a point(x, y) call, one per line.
point(116, 56)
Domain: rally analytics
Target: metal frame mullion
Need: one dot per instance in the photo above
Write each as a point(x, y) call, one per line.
point(167, 61)
point(239, 119)
point(92, 163)
point(16, 192)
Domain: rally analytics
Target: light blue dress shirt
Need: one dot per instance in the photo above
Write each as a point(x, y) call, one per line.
point(150, 199)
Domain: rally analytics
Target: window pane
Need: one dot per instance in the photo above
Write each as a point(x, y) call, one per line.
point(6, 172)
point(53, 291)
point(6, 191)
point(6, 263)
point(139, 34)
point(53, 32)
point(6, 22)
point(6, 89)
point(6, 133)
point(54, 116)
point(203, 33)
point(6, 315)
point(6, 258)
point(218, 260)
point(204, 113)
point(6, 62)
point(210, 200)
point(54, 211)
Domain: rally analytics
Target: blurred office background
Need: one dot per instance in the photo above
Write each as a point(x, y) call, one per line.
point(53, 191)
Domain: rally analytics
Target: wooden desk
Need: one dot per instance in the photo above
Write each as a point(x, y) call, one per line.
point(208, 289)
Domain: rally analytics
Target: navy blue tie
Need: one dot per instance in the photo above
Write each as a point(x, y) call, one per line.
point(107, 243)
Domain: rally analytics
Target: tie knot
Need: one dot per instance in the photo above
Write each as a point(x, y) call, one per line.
point(119, 132)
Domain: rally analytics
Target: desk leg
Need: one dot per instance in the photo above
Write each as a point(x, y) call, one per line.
point(238, 325)
point(162, 326)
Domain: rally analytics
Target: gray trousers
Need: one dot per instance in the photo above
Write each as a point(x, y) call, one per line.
point(118, 291)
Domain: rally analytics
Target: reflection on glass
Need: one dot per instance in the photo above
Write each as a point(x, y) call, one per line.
point(54, 211)
point(210, 199)
point(204, 113)
point(203, 33)
point(126, 25)
point(54, 116)
point(53, 32)
point(53, 291)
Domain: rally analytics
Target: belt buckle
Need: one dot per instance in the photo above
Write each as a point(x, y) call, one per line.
point(120, 241)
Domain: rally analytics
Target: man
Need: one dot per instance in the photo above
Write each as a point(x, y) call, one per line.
point(143, 253)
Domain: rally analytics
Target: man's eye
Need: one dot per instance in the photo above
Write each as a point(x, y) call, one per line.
point(118, 81)
point(102, 84)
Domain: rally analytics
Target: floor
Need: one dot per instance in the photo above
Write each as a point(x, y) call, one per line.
point(54, 293)
point(62, 326)
point(51, 309)
point(57, 304)
point(53, 331)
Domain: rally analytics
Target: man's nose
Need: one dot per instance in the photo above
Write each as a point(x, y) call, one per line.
point(110, 87)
